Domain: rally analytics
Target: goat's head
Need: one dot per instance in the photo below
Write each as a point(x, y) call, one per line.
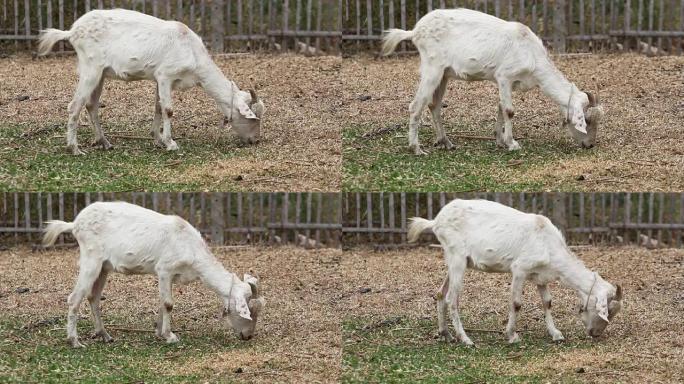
point(583, 120)
point(247, 114)
point(244, 306)
point(599, 309)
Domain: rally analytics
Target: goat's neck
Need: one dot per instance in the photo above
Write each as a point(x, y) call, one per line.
point(214, 275)
point(218, 87)
point(554, 85)
point(581, 279)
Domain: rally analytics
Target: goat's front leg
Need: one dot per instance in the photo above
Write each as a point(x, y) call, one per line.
point(164, 91)
point(165, 308)
point(442, 310)
point(516, 305)
point(430, 79)
point(94, 299)
point(507, 113)
point(499, 127)
point(157, 122)
point(441, 139)
point(546, 303)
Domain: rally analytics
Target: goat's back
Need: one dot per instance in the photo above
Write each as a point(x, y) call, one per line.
point(134, 239)
point(473, 41)
point(495, 235)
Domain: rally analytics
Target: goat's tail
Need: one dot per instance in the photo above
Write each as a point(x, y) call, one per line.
point(49, 37)
point(54, 229)
point(392, 38)
point(417, 225)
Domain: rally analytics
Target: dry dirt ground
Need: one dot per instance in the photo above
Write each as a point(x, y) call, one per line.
point(645, 343)
point(312, 292)
point(641, 146)
point(298, 337)
point(300, 148)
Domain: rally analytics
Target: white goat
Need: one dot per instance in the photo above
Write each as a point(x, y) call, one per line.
point(474, 46)
point(129, 239)
point(492, 237)
point(128, 45)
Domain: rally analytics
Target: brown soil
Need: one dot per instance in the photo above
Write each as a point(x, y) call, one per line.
point(298, 338)
point(301, 143)
point(645, 342)
point(640, 141)
point(310, 293)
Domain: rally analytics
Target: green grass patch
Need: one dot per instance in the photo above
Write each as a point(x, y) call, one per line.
point(400, 350)
point(41, 162)
point(41, 355)
point(384, 163)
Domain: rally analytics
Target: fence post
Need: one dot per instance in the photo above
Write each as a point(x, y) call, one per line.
point(217, 25)
point(560, 26)
point(560, 217)
point(217, 218)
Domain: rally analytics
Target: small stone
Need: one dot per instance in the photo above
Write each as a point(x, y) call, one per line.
point(365, 97)
point(239, 178)
point(239, 370)
point(21, 290)
point(23, 97)
point(365, 290)
point(580, 370)
point(582, 177)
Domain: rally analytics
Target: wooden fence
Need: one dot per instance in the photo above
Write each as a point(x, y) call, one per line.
point(305, 219)
point(647, 219)
point(647, 26)
point(352, 219)
point(316, 26)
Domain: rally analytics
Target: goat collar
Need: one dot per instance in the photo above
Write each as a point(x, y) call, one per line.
point(586, 304)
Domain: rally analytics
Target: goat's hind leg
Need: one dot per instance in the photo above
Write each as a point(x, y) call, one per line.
point(164, 92)
point(94, 299)
point(93, 105)
point(430, 78)
point(89, 270)
point(88, 81)
point(157, 122)
point(456, 265)
point(441, 139)
point(442, 310)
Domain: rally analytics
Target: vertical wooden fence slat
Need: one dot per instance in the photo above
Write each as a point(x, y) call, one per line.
point(298, 207)
point(319, 210)
point(27, 22)
point(369, 215)
point(309, 197)
point(319, 21)
point(381, 209)
point(284, 213)
point(651, 208)
point(392, 221)
point(661, 211)
point(358, 216)
point(403, 216)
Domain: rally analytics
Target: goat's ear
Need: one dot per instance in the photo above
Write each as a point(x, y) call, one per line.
point(253, 284)
point(242, 308)
point(618, 293)
point(602, 308)
point(256, 306)
point(577, 119)
point(245, 111)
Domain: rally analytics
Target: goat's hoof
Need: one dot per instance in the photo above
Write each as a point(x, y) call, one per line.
point(468, 343)
point(514, 339)
point(106, 338)
point(444, 143)
point(446, 335)
point(172, 146)
point(104, 143)
point(513, 146)
point(75, 343)
point(172, 338)
point(558, 338)
point(417, 150)
point(75, 150)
